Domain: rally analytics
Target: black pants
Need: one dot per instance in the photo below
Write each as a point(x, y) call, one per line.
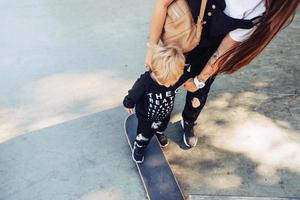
point(190, 114)
point(197, 59)
point(149, 128)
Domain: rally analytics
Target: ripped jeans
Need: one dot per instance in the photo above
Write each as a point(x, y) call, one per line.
point(190, 113)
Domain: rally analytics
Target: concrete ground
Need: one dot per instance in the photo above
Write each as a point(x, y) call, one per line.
point(64, 69)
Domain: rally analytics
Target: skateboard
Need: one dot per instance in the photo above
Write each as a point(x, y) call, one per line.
point(155, 172)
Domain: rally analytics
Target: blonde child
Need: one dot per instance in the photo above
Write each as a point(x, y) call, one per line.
point(153, 95)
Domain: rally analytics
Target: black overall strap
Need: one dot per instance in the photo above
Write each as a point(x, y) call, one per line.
point(222, 23)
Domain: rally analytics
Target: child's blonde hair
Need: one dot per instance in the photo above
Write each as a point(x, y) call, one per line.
point(167, 63)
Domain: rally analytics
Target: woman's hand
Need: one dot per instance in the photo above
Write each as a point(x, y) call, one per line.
point(190, 86)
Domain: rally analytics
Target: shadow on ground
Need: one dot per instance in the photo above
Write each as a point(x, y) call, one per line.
point(249, 131)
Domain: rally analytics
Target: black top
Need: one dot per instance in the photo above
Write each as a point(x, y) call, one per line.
point(195, 6)
point(152, 101)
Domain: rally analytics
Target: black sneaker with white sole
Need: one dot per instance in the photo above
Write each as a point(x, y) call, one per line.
point(189, 137)
point(162, 139)
point(138, 153)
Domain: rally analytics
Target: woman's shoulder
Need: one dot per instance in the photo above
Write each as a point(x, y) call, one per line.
point(244, 9)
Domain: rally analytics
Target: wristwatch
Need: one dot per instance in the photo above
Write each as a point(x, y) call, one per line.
point(199, 84)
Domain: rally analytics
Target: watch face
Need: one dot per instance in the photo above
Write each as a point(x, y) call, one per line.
point(201, 85)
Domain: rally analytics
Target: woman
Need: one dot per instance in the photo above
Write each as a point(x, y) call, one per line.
point(234, 33)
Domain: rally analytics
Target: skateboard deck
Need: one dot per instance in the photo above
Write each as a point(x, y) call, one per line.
point(155, 172)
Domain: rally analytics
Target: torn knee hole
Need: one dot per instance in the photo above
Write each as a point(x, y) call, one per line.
point(196, 102)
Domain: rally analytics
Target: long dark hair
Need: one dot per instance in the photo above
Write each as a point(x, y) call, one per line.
point(279, 13)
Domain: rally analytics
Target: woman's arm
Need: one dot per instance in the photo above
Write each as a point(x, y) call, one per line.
point(212, 66)
point(157, 23)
